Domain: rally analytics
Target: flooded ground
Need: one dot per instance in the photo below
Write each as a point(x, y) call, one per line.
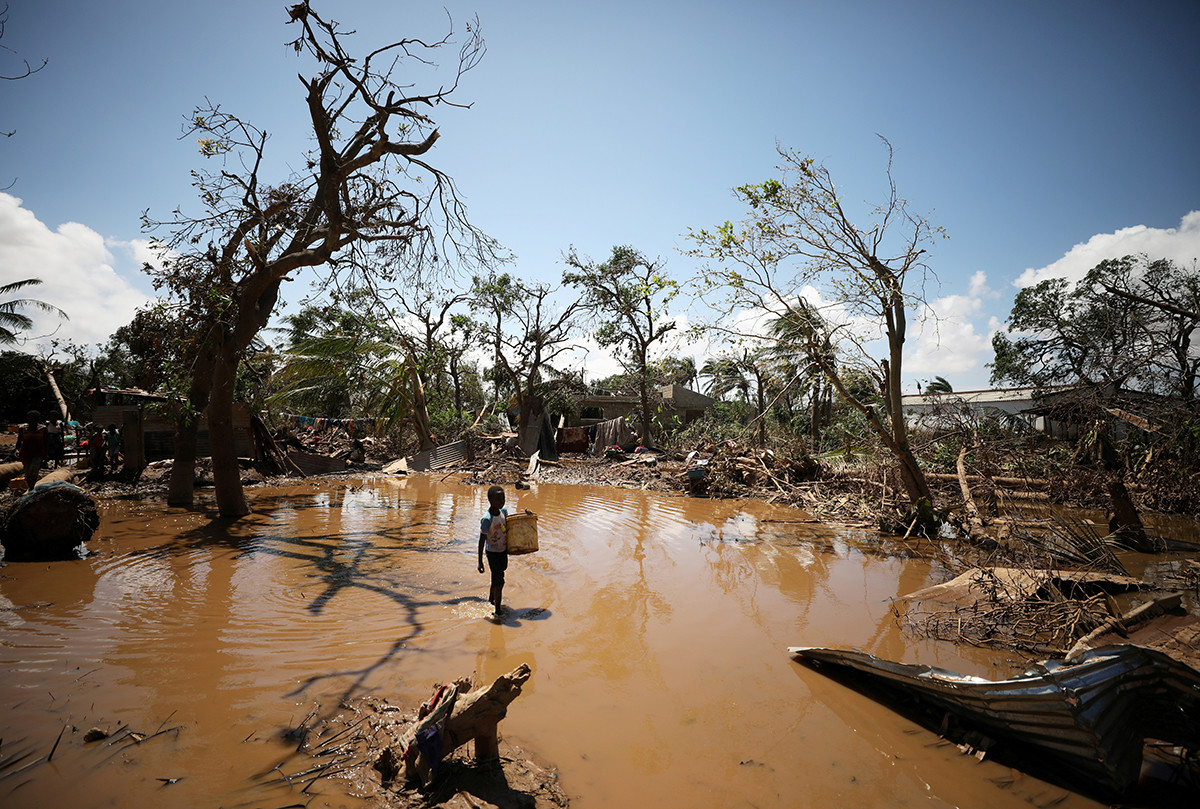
point(656, 628)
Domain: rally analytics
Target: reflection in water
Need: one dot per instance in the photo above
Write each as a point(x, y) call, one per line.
point(656, 628)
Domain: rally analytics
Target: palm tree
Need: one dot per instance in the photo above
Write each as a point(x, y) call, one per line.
point(939, 385)
point(370, 376)
point(729, 372)
point(803, 337)
point(726, 374)
point(12, 320)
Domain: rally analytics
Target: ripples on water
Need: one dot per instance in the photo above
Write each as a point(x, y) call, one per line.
point(656, 628)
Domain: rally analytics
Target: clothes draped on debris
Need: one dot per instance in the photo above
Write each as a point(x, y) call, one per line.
point(425, 737)
point(573, 439)
point(614, 432)
point(294, 420)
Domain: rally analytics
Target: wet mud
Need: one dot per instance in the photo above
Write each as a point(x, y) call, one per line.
point(656, 628)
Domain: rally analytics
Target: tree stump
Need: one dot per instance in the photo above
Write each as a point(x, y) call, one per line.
point(1126, 523)
point(474, 717)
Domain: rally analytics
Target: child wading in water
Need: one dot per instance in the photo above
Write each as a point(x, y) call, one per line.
point(493, 532)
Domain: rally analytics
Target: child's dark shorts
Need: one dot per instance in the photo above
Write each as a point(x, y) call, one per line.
point(497, 563)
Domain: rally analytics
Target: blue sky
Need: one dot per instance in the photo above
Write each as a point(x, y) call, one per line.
point(1043, 136)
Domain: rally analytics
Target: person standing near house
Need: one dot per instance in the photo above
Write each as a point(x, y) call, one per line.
point(96, 451)
point(54, 443)
point(115, 445)
point(31, 447)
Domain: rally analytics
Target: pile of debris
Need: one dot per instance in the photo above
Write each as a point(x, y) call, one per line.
point(52, 521)
point(403, 760)
point(1039, 611)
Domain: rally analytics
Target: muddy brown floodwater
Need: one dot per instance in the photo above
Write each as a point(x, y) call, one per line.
point(656, 628)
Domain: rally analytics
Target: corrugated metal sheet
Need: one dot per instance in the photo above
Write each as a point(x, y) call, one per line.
point(1091, 717)
point(438, 457)
point(312, 464)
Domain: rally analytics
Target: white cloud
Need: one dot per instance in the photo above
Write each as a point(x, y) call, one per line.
point(947, 343)
point(1181, 244)
point(979, 287)
point(140, 251)
point(76, 268)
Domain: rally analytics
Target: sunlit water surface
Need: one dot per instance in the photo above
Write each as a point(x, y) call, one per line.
point(656, 628)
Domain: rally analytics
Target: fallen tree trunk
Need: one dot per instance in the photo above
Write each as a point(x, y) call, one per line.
point(973, 519)
point(8, 471)
point(58, 397)
point(67, 474)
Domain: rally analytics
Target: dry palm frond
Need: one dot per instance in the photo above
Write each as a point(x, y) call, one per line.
point(1072, 541)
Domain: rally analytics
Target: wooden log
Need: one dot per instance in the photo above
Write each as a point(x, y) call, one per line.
point(477, 714)
point(8, 471)
point(474, 717)
point(1002, 494)
point(973, 519)
point(1029, 483)
point(67, 474)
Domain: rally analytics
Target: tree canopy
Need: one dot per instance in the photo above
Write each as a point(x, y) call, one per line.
point(1128, 323)
point(627, 296)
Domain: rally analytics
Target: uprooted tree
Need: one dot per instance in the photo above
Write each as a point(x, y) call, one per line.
point(799, 234)
point(365, 203)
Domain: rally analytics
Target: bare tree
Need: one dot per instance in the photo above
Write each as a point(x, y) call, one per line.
point(365, 193)
point(528, 331)
point(798, 233)
point(26, 68)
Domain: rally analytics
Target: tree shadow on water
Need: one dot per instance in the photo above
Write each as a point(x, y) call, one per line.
point(342, 563)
